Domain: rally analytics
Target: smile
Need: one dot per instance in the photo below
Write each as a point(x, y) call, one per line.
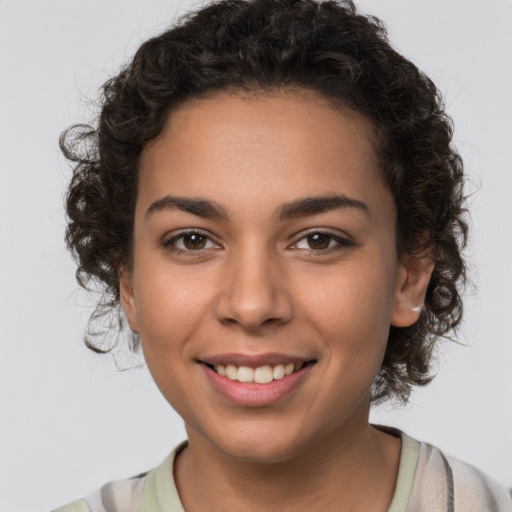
point(256, 381)
point(260, 375)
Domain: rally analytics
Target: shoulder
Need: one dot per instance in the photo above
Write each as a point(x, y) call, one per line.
point(443, 482)
point(118, 496)
point(76, 506)
point(477, 489)
point(150, 491)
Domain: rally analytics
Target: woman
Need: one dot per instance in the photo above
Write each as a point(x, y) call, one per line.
point(272, 197)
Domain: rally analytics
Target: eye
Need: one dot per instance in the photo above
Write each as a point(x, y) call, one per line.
point(322, 242)
point(190, 241)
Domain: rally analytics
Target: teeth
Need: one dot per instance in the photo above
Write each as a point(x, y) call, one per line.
point(260, 375)
point(231, 372)
point(288, 369)
point(245, 374)
point(279, 371)
point(263, 374)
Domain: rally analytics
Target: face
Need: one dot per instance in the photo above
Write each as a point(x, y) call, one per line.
point(264, 244)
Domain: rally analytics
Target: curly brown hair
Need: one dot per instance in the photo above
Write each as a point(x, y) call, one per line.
point(257, 46)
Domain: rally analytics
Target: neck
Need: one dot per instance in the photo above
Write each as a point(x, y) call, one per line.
point(353, 469)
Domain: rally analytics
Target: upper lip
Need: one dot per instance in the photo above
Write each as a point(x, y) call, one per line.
point(254, 360)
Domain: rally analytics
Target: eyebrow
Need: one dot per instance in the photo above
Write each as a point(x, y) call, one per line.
point(197, 206)
point(288, 211)
point(315, 205)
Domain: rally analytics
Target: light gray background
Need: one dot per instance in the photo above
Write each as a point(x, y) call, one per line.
point(69, 421)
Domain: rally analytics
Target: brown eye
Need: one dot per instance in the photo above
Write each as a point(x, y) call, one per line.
point(318, 241)
point(322, 242)
point(191, 241)
point(194, 241)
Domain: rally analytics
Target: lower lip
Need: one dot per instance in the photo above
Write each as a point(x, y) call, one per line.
point(251, 394)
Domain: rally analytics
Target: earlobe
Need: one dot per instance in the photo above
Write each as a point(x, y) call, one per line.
point(127, 298)
point(411, 287)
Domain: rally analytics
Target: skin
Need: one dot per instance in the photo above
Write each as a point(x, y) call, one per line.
point(259, 285)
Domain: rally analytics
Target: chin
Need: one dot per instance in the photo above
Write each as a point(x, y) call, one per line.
point(262, 453)
point(266, 446)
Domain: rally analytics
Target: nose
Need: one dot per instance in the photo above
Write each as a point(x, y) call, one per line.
point(254, 294)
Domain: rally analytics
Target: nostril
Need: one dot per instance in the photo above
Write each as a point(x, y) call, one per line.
point(255, 303)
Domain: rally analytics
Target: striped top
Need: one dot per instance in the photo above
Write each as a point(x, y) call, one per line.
point(428, 481)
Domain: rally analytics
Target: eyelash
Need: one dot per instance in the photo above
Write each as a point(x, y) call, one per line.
point(341, 243)
point(170, 244)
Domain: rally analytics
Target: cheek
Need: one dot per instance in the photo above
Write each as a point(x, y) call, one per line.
point(352, 299)
point(171, 306)
point(352, 318)
point(350, 309)
point(170, 313)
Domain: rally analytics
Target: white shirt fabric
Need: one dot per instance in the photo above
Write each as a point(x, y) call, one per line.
point(427, 481)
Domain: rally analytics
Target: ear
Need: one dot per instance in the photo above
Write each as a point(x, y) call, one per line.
point(127, 298)
point(413, 276)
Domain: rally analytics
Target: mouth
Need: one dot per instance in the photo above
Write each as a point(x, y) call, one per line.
point(255, 381)
point(261, 374)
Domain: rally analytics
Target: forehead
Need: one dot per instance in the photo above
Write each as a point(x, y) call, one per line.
point(245, 148)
